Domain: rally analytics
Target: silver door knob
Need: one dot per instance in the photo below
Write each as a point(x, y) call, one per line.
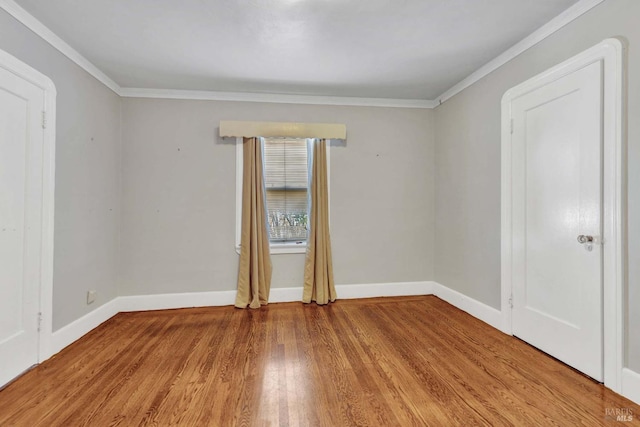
point(585, 239)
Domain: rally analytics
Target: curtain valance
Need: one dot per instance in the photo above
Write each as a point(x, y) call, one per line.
point(242, 129)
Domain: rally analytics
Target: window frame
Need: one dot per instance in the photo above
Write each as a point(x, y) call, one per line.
point(275, 248)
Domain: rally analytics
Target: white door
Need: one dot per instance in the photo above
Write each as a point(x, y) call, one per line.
point(21, 187)
point(557, 213)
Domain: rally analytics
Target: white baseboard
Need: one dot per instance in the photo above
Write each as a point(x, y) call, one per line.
point(479, 310)
point(631, 386)
point(75, 330)
point(358, 291)
point(177, 300)
point(276, 295)
point(285, 294)
point(396, 289)
point(80, 327)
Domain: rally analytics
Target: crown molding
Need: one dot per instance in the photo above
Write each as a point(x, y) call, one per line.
point(128, 92)
point(578, 9)
point(29, 21)
point(531, 40)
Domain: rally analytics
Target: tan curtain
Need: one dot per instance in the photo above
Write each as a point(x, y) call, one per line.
point(318, 269)
point(254, 274)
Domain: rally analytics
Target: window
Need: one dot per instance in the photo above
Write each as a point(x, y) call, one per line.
point(286, 183)
point(286, 170)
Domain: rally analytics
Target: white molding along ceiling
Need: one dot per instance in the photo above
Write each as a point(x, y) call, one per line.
point(19, 13)
point(13, 9)
point(533, 39)
point(275, 98)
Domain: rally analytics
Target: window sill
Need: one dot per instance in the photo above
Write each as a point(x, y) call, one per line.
point(285, 248)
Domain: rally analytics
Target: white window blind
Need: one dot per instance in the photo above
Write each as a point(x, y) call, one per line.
point(286, 181)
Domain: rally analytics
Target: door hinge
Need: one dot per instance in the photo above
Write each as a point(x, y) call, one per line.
point(511, 125)
point(39, 321)
point(511, 301)
point(44, 120)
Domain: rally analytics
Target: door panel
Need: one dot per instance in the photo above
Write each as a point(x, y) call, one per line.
point(557, 175)
point(21, 139)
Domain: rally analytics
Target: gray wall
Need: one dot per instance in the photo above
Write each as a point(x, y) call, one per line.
point(87, 175)
point(178, 222)
point(468, 162)
point(176, 182)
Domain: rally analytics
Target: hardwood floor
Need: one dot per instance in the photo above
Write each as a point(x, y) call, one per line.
point(374, 362)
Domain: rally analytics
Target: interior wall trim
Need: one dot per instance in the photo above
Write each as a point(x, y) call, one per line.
point(492, 316)
point(76, 329)
point(178, 300)
point(631, 386)
point(477, 309)
point(29, 21)
point(528, 42)
point(80, 327)
point(274, 98)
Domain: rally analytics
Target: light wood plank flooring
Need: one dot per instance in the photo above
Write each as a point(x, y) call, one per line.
point(411, 361)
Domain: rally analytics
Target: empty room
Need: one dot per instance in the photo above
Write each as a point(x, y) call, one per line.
point(319, 212)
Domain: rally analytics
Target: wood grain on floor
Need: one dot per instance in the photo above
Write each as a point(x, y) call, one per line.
point(406, 361)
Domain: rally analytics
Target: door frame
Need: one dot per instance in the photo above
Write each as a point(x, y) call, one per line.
point(610, 53)
point(24, 71)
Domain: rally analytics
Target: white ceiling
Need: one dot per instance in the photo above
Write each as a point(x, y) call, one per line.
point(402, 49)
